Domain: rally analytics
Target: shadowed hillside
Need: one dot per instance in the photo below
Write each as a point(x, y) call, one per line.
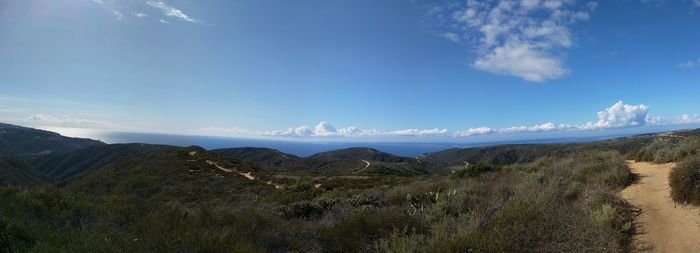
point(63, 165)
point(24, 141)
point(15, 172)
point(353, 161)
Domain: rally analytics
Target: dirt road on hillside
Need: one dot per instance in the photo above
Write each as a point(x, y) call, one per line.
point(663, 225)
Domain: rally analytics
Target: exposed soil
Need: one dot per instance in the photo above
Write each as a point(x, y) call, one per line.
point(663, 225)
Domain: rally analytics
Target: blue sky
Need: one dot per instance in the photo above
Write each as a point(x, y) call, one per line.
point(370, 70)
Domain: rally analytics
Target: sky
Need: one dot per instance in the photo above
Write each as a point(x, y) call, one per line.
point(399, 70)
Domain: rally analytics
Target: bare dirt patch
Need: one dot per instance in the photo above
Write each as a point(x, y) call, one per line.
point(663, 225)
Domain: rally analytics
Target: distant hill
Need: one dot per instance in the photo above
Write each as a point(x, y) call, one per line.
point(368, 154)
point(265, 157)
point(523, 153)
point(15, 172)
point(63, 165)
point(338, 162)
point(23, 141)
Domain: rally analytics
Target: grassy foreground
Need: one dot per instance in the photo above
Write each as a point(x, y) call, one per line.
point(158, 204)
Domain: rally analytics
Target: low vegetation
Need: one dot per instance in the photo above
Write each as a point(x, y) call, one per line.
point(158, 204)
point(685, 181)
point(665, 150)
point(511, 198)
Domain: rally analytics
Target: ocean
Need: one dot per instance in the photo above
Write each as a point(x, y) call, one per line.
point(309, 148)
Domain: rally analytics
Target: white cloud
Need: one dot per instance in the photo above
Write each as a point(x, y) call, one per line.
point(523, 38)
point(450, 36)
point(617, 116)
point(164, 21)
point(696, 3)
point(171, 11)
point(140, 15)
point(688, 119)
point(546, 127)
point(522, 60)
point(66, 121)
point(111, 9)
point(117, 14)
point(690, 63)
point(419, 132)
point(620, 115)
point(324, 129)
point(475, 132)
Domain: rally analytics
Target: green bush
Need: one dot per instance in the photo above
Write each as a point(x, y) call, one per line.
point(473, 170)
point(13, 239)
point(684, 180)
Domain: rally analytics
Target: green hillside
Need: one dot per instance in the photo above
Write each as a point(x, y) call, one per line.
point(15, 172)
point(63, 165)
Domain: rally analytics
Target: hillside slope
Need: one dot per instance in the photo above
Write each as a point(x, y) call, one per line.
point(266, 157)
point(15, 172)
point(359, 153)
point(63, 165)
point(351, 161)
point(23, 141)
point(173, 175)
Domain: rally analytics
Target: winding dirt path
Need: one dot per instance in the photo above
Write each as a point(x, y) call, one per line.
point(663, 225)
point(367, 164)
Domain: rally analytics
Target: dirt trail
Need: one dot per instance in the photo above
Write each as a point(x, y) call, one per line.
point(664, 226)
point(367, 164)
point(248, 175)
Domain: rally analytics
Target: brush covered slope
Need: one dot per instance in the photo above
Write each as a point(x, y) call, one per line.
point(15, 172)
point(23, 141)
point(358, 153)
point(64, 165)
point(192, 201)
point(351, 161)
point(523, 153)
point(266, 157)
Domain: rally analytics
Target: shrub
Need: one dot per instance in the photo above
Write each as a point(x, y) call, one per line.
point(306, 208)
point(13, 239)
point(472, 170)
point(685, 181)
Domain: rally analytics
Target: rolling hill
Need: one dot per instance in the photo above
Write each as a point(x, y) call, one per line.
point(63, 165)
point(351, 161)
point(23, 141)
point(15, 172)
point(265, 157)
point(359, 153)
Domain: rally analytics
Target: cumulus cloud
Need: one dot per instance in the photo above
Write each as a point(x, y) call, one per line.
point(620, 115)
point(475, 132)
point(325, 129)
point(170, 11)
point(617, 116)
point(523, 38)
